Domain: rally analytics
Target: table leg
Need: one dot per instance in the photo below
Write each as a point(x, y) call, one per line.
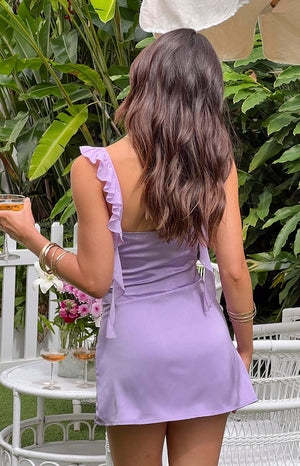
point(16, 434)
point(41, 420)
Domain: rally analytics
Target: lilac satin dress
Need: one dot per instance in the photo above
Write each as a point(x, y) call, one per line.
point(164, 352)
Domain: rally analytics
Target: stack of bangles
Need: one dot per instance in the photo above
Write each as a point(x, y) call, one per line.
point(245, 317)
point(53, 263)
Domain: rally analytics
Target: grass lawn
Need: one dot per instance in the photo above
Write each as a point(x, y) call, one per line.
point(53, 433)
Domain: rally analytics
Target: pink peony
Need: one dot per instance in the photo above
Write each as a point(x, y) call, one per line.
point(67, 288)
point(69, 319)
point(96, 310)
point(81, 296)
point(83, 310)
point(63, 312)
point(68, 310)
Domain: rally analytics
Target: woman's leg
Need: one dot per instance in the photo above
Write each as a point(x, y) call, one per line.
point(196, 442)
point(137, 445)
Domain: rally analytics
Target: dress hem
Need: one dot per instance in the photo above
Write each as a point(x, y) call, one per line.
point(155, 421)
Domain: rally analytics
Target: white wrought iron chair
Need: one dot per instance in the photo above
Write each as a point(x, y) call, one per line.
point(267, 433)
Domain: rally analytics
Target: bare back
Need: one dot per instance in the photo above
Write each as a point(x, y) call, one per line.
point(128, 168)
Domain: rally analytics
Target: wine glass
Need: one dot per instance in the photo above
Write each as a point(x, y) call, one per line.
point(85, 352)
point(13, 202)
point(53, 355)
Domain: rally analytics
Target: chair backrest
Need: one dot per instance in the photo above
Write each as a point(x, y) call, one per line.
point(21, 345)
point(277, 331)
point(291, 314)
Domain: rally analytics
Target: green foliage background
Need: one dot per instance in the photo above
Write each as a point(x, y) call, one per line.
point(63, 71)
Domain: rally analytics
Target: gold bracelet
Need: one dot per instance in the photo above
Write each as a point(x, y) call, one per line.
point(242, 317)
point(52, 257)
point(57, 260)
point(246, 319)
point(43, 255)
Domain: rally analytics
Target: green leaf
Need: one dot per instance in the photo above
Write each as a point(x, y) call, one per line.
point(124, 93)
point(291, 105)
point(7, 66)
point(84, 73)
point(292, 73)
point(265, 200)
point(105, 9)
point(297, 129)
point(231, 89)
point(79, 95)
point(63, 202)
point(69, 211)
point(65, 47)
point(284, 233)
point(265, 152)
point(252, 218)
point(243, 94)
point(230, 75)
point(8, 81)
point(143, 43)
point(46, 322)
point(282, 134)
point(297, 243)
point(27, 142)
point(55, 139)
point(292, 167)
point(28, 63)
point(68, 168)
point(253, 100)
point(278, 121)
point(290, 155)
point(256, 54)
point(282, 214)
point(243, 177)
point(45, 89)
point(10, 130)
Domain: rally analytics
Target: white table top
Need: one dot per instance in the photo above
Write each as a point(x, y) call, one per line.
point(30, 378)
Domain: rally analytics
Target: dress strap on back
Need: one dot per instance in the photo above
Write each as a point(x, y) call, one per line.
point(209, 278)
point(106, 173)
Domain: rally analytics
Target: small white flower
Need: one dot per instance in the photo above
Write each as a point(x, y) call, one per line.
point(46, 280)
point(98, 322)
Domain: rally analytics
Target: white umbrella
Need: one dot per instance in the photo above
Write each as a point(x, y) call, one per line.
point(230, 24)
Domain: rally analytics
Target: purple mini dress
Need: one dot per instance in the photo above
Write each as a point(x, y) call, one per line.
point(164, 352)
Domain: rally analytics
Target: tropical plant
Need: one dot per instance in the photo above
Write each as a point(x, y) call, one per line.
point(264, 104)
point(62, 71)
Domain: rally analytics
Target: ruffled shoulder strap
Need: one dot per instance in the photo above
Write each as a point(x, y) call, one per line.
point(107, 174)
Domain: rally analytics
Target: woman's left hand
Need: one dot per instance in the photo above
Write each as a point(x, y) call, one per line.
point(18, 225)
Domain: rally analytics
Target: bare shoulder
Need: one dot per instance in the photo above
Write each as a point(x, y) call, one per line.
point(82, 164)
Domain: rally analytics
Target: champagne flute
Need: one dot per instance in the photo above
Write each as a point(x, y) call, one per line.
point(15, 203)
point(53, 355)
point(85, 353)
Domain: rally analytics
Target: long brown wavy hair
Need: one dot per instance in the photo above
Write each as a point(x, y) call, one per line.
point(174, 116)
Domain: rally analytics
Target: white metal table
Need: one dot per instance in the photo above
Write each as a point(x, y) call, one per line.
point(28, 379)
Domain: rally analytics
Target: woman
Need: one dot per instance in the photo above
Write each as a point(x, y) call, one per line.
point(166, 366)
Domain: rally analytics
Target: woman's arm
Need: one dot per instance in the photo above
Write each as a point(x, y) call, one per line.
point(235, 278)
point(91, 269)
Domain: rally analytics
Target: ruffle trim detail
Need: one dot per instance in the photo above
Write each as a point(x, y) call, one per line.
point(107, 174)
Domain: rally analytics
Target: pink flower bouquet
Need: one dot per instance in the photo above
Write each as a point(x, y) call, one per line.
point(78, 316)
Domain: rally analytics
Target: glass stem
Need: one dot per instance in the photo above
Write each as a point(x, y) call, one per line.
point(51, 374)
point(85, 372)
point(5, 247)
